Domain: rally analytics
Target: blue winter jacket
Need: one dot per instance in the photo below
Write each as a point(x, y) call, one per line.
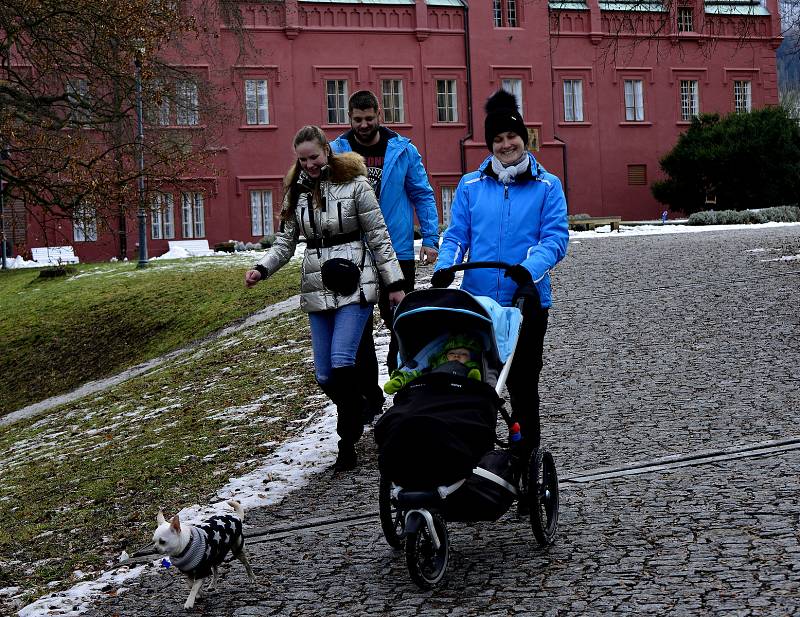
point(524, 223)
point(404, 190)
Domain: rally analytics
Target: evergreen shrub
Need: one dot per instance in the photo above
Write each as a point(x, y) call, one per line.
point(742, 160)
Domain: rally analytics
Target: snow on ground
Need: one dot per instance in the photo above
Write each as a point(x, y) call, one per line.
point(294, 462)
point(605, 231)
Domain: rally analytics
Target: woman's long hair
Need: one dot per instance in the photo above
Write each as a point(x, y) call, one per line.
point(313, 133)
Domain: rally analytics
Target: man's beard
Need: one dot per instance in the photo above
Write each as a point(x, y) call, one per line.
point(368, 137)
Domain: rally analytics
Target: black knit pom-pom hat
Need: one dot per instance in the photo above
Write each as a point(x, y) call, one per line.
point(503, 115)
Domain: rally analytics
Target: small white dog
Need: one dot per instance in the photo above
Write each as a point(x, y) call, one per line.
point(198, 551)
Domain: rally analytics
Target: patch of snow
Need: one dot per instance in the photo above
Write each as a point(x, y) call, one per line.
point(78, 599)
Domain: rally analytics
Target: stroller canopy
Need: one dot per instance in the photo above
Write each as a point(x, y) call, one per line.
point(426, 318)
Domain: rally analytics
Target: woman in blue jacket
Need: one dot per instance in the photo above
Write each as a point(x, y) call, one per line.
point(511, 209)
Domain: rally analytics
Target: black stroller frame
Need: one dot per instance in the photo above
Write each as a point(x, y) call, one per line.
point(413, 514)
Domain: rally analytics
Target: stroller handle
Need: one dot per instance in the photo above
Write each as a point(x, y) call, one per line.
point(474, 265)
point(496, 265)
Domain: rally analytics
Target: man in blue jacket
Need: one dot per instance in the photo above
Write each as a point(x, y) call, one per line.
point(401, 184)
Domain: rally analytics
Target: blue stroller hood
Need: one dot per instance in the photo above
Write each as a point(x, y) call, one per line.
point(426, 318)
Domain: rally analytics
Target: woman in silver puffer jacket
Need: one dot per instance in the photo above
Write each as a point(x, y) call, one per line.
point(329, 201)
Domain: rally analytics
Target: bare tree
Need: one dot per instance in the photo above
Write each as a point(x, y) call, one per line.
point(67, 106)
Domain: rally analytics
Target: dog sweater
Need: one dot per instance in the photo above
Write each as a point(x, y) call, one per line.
point(209, 543)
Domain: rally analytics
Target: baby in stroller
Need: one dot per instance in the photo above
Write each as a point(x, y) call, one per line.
point(458, 356)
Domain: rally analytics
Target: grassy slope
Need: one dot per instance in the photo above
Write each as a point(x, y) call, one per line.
point(83, 482)
point(50, 328)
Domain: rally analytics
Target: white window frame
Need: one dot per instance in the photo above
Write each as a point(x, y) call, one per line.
point(84, 224)
point(162, 217)
point(742, 96)
point(186, 103)
point(690, 99)
point(511, 13)
point(504, 13)
point(497, 13)
point(164, 116)
point(193, 215)
point(513, 85)
point(685, 19)
point(336, 96)
point(392, 101)
point(256, 101)
point(446, 100)
point(261, 212)
point(159, 112)
point(634, 100)
point(447, 194)
point(573, 100)
point(77, 91)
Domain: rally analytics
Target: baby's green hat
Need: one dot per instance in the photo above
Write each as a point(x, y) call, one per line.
point(461, 341)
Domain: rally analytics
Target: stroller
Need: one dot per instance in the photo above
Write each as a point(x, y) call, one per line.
point(438, 452)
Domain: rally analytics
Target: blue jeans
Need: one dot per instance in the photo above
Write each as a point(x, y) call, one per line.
point(335, 335)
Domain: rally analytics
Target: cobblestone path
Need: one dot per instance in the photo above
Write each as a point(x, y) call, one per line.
point(657, 346)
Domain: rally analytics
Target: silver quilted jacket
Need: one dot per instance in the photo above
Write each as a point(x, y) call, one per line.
point(349, 205)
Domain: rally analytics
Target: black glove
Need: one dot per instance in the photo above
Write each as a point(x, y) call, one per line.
point(519, 274)
point(442, 278)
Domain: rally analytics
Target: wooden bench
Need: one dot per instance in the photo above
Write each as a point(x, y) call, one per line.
point(54, 255)
point(195, 248)
point(596, 221)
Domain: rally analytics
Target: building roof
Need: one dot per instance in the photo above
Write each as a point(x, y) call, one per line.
point(569, 6)
point(458, 3)
point(735, 7)
point(713, 7)
point(644, 6)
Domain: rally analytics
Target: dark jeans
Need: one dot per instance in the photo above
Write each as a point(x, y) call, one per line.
point(523, 379)
point(366, 359)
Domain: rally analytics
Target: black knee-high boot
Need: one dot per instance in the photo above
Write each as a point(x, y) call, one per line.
point(367, 363)
point(343, 389)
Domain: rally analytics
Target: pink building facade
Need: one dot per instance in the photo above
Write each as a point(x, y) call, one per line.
point(605, 90)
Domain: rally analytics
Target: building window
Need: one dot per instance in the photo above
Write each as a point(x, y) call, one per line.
point(685, 19)
point(337, 100)
point(447, 192)
point(77, 91)
point(84, 224)
point(742, 102)
point(186, 103)
point(446, 103)
point(634, 100)
point(504, 13)
point(193, 215)
point(162, 217)
point(256, 101)
point(637, 175)
point(690, 102)
point(573, 100)
point(514, 86)
point(161, 113)
point(392, 95)
point(260, 213)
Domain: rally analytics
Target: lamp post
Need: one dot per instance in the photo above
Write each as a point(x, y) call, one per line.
point(3, 157)
point(142, 215)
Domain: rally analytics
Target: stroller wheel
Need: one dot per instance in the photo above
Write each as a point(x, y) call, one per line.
point(426, 564)
point(392, 522)
point(543, 496)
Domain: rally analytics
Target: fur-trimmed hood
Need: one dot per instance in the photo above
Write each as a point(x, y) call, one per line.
point(342, 168)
